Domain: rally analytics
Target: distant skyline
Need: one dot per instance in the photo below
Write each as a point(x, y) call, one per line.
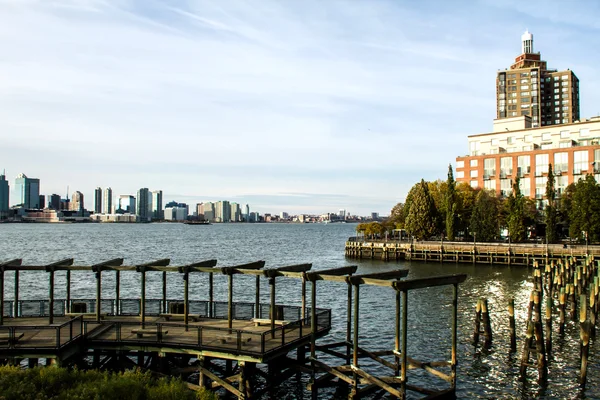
point(302, 107)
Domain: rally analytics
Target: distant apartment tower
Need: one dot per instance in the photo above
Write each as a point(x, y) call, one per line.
point(222, 211)
point(98, 200)
point(247, 213)
point(236, 212)
point(42, 201)
point(144, 204)
point(28, 191)
point(157, 205)
point(4, 196)
point(107, 204)
point(53, 201)
point(529, 88)
point(76, 201)
point(208, 209)
point(126, 204)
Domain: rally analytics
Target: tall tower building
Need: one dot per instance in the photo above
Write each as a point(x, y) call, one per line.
point(528, 87)
point(144, 204)
point(76, 201)
point(107, 205)
point(98, 200)
point(157, 205)
point(4, 196)
point(28, 191)
point(222, 211)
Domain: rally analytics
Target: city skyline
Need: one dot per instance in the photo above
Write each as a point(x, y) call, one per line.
point(296, 107)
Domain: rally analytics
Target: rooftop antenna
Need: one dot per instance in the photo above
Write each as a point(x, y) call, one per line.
point(67, 192)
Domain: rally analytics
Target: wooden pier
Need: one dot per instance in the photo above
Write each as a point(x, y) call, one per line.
point(463, 252)
point(182, 336)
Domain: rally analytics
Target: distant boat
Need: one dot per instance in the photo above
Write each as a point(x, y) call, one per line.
point(197, 223)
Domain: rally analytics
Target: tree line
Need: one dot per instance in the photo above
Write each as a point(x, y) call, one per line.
point(456, 211)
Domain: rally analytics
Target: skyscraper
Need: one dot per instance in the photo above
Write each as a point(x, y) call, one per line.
point(76, 201)
point(126, 204)
point(144, 204)
point(209, 211)
point(53, 201)
point(236, 212)
point(28, 191)
point(157, 205)
point(4, 196)
point(528, 87)
point(222, 211)
point(98, 200)
point(107, 205)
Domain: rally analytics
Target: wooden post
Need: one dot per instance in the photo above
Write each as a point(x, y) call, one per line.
point(526, 349)
point(164, 291)
point(313, 338)
point(98, 293)
point(487, 325)
point(561, 310)
point(16, 304)
point(354, 390)
point(549, 324)
point(257, 298)
point(51, 297)
point(477, 330)
point(272, 286)
point(201, 371)
point(68, 290)
point(143, 297)
point(584, 333)
point(397, 335)
point(349, 323)
point(404, 360)
point(230, 302)
point(242, 382)
point(1, 295)
point(303, 311)
point(210, 295)
point(454, 336)
point(186, 298)
point(117, 291)
point(512, 325)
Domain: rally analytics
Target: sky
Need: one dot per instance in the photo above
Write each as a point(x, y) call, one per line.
point(296, 106)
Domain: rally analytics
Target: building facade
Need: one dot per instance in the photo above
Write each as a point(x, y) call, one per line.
point(126, 204)
point(4, 197)
point(144, 205)
point(27, 191)
point(107, 205)
point(53, 201)
point(98, 200)
point(76, 201)
point(157, 205)
point(529, 88)
point(515, 149)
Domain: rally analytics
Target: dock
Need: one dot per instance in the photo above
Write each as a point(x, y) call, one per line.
point(178, 336)
point(518, 254)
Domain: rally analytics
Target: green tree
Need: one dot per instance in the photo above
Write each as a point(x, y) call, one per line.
point(451, 205)
point(484, 219)
point(517, 229)
point(584, 211)
point(551, 213)
point(421, 218)
point(465, 201)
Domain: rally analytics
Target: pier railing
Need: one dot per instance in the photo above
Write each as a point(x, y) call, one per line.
point(54, 336)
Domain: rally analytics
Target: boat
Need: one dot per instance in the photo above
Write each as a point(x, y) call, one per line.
point(197, 222)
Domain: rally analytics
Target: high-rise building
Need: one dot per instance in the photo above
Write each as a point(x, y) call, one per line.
point(222, 211)
point(126, 204)
point(144, 204)
point(76, 201)
point(208, 211)
point(107, 205)
point(28, 191)
point(247, 213)
point(53, 201)
point(4, 196)
point(42, 201)
point(236, 212)
point(98, 200)
point(157, 205)
point(529, 88)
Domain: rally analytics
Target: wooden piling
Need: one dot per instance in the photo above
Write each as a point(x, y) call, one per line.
point(584, 333)
point(549, 324)
point(512, 325)
point(477, 330)
point(561, 309)
point(487, 325)
point(541, 352)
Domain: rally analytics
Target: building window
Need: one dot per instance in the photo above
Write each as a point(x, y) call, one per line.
point(474, 184)
point(529, 138)
point(524, 87)
point(474, 148)
point(583, 132)
point(580, 161)
point(525, 185)
point(541, 164)
point(473, 163)
point(505, 187)
point(505, 167)
point(546, 136)
point(473, 173)
point(561, 162)
point(495, 142)
point(540, 187)
point(561, 184)
point(523, 165)
point(490, 184)
point(489, 168)
point(460, 164)
point(460, 174)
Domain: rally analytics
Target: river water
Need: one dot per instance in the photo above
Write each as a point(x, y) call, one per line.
point(481, 374)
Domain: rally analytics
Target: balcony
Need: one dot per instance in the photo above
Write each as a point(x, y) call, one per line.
point(522, 171)
point(488, 174)
point(505, 173)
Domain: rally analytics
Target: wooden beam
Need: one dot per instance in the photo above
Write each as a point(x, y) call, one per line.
point(226, 385)
point(421, 283)
point(334, 371)
point(158, 263)
point(327, 273)
point(296, 268)
point(116, 262)
point(378, 276)
point(376, 381)
point(12, 263)
point(242, 268)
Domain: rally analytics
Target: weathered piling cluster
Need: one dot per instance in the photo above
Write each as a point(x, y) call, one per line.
point(567, 288)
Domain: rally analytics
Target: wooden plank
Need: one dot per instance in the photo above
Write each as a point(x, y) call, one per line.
point(329, 274)
point(365, 353)
point(421, 283)
point(333, 371)
point(226, 385)
point(376, 381)
point(296, 268)
point(12, 263)
point(116, 262)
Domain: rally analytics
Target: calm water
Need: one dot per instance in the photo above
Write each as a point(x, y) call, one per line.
point(490, 374)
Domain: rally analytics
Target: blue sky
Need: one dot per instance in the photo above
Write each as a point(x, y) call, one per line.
point(297, 106)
